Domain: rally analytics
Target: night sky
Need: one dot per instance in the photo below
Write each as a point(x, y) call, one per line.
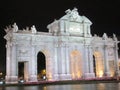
point(105, 15)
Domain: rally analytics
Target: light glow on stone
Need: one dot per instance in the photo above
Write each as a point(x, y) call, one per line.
point(100, 73)
point(76, 64)
point(49, 76)
point(99, 64)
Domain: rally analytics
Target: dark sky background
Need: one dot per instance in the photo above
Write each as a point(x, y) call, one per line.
point(105, 15)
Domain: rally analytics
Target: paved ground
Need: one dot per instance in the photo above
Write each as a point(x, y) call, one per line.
point(64, 82)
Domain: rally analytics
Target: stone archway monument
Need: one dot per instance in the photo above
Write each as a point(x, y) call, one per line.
point(68, 44)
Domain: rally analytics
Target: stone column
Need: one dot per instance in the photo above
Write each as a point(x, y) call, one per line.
point(90, 57)
point(56, 64)
point(85, 29)
point(49, 66)
point(63, 62)
point(106, 62)
point(13, 64)
point(116, 59)
point(68, 76)
point(8, 61)
point(86, 62)
point(62, 28)
point(89, 29)
point(14, 61)
point(26, 71)
point(32, 66)
point(59, 60)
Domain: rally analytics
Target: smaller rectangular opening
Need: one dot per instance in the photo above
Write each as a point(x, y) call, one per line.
point(21, 70)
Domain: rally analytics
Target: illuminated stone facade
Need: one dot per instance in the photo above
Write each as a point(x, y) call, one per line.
point(71, 52)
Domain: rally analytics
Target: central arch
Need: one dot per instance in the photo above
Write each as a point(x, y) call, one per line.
point(41, 65)
point(76, 64)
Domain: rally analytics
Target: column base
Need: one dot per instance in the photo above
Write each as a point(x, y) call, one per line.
point(107, 74)
point(56, 77)
point(33, 78)
point(89, 75)
point(117, 73)
point(68, 76)
point(64, 77)
point(11, 79)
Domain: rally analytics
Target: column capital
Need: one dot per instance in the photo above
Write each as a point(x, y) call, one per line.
point(60, 44)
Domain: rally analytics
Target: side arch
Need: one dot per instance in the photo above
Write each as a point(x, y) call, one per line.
point(41, 66)
point(48, 63)
point(98, 64)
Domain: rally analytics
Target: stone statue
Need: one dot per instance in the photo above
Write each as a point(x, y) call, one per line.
point(95, 35)
point(27, 28)
point(68, 11)
point(73, 14)
point(8, 28)
point(105, 36)
point(75, 10)
point(114, 37)
point(15, 27)
point(33, 29)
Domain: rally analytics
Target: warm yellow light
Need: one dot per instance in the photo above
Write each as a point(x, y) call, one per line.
point(76, 64)
point(44, 88)
point(43, 72)
point(99, 64)
point(49, 76)
point(100, 73)
point(75, 53)
point(73, 75)
point(78, 74)
point(112, 73)
point(1, 73)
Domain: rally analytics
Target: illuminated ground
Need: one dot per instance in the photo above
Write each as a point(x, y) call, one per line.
point(100, 80)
